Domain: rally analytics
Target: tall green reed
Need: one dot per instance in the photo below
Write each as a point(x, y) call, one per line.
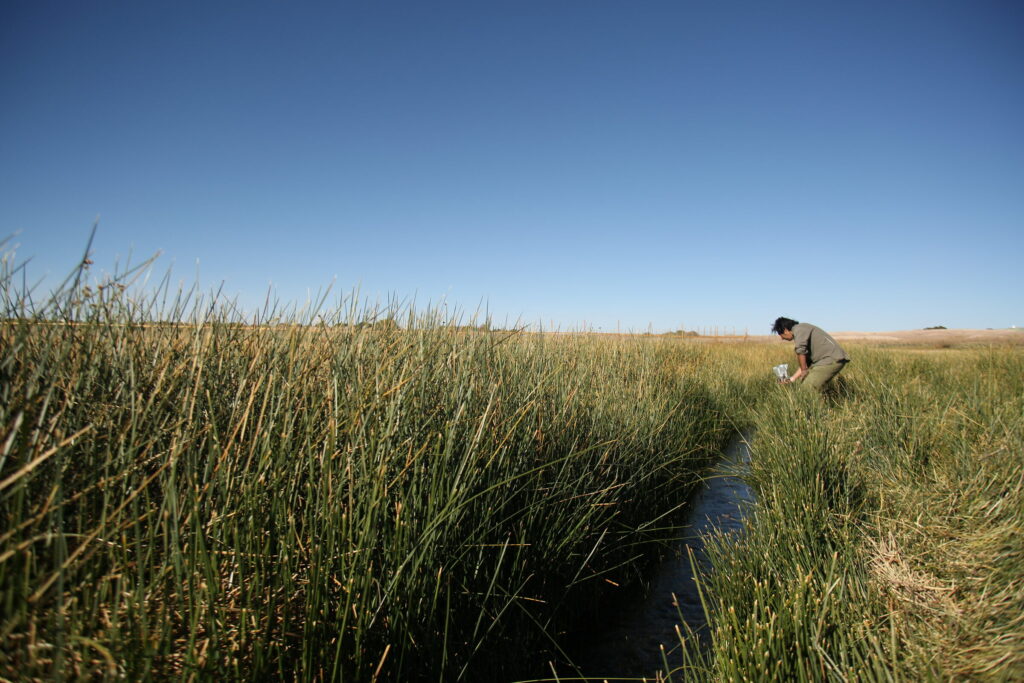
point(886, 540)
point(333, 492)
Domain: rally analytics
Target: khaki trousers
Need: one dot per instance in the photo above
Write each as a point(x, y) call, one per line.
point(820, 375)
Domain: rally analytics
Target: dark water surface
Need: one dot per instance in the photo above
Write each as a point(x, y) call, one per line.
point(630, 643)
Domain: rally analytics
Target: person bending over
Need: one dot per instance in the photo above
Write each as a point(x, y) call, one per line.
point(821, 357)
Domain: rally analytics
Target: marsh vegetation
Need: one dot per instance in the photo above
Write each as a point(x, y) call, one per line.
point(887, 541)
point(317, 499)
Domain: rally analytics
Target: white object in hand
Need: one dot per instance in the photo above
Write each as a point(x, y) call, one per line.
point(781, 371)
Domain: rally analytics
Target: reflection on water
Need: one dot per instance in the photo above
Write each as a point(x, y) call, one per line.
point(630, 645)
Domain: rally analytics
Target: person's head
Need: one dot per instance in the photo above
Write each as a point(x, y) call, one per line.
point(784, 328)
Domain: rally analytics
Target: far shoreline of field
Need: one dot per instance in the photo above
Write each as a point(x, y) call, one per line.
point(928, 338)
point(934, 338)
point(965, 336)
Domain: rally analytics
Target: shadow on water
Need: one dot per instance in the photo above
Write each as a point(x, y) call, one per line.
point(629, 644)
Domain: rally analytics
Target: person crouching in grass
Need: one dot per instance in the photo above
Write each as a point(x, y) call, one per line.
point(821, 357)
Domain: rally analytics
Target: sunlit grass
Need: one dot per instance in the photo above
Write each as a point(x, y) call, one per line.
point(887, 539)
point(325, 500)
point(342, 493)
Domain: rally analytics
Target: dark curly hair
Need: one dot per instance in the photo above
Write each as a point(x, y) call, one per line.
point(783, 324)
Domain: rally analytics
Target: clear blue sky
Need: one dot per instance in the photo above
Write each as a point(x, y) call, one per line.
point(859, 165)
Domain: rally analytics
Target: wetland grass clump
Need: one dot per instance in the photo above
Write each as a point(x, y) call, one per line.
point(351, 496)
point(888, 538)
point(185, 494)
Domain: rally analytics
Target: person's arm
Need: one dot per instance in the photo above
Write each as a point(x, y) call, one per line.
point(802, 347)
point(802, 357)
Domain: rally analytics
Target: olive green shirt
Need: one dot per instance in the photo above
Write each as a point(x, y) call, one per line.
point(817, 344)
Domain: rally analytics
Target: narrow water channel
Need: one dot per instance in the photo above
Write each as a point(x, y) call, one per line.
point(630, 646)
